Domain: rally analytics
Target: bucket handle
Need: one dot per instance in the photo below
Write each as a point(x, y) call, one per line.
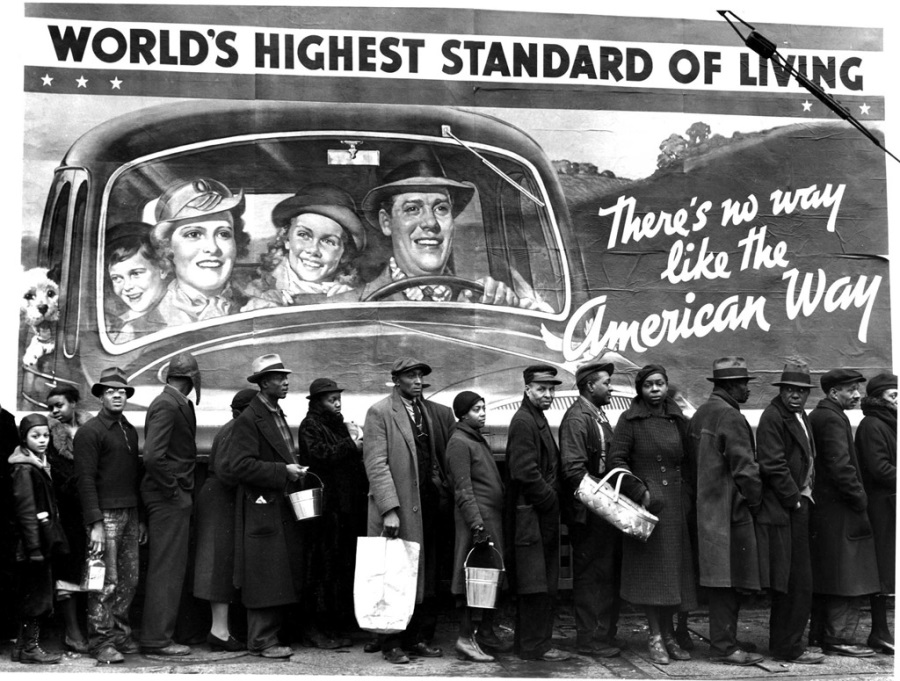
point(299, 480)
point(618, 480)
point(490, 546)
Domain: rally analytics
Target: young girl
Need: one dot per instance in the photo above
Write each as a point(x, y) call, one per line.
point(35, 514)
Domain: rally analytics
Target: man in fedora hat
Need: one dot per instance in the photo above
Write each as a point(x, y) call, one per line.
point(842, 545)
point(416, 206)
point(532, 507)
point(170, 452)
point(584, 437)
point(729, 493)
point(107, 466)
point(262, 459)
point(406, 437)
point(785, 452)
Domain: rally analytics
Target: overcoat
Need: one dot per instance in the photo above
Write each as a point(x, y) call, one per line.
point(729, 491)
point(389, 455)
point(170, 448)
point(785, 453)
point(653, 447)
point(478, 490)
point(841, 541)
point(876, 445)
point(532, 502)
point(268, 554)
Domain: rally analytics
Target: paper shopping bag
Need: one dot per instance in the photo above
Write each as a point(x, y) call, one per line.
point(384, 584)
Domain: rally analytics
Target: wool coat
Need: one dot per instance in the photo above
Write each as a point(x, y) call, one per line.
point(214, 515)
point(876, 445)
point(729, 492)
point(653, 447)
point(268, 554)
point(391, 465)
point(532, 502)
point(478, 490)
point(841, 540)
point(170, 447)
point(785, 453)
point(580, 453)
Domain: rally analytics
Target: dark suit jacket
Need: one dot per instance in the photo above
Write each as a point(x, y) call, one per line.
point(268, 553)
point(580, 453)
point(170, 446)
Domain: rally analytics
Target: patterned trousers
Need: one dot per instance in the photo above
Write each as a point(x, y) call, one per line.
point(108, 610)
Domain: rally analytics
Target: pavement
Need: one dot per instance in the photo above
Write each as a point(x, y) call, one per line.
point(633, 663)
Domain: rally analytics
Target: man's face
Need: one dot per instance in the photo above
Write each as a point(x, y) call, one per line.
point(409, 383)
point(794, 398)
point(114, 400)
point(420, 225)
point(598, 390)
point(846, 395)
point(540, 394)
point(275, 386)
point(740, 390)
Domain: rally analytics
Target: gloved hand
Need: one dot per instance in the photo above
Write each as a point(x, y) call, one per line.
point(479, 535)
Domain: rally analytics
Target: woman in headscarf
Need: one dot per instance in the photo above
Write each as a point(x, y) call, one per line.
point(650, 441)
point(876, 446)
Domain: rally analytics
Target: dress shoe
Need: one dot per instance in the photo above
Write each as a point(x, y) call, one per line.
point(847, 650)
point(740, 658)
point(396, 656)
point(422, 649)
point(229, 645)
point(372, 646)
point(467, 649)
point(683, 639)
point(316, 639)
point(108, 655)
point(746, 646)
point(805, 657)
point(128, 647)
point(880, 645)
point(275, 652)
point(617, 642)
point(171, 650)
point(675, 651)
point(658, 654)
point(77, 646)
point(555, 655)
point(598, 648)
point(489, 640)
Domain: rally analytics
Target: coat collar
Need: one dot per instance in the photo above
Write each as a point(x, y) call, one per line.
point(265, 421)
point(793, 426)
point(725, 397)
point(833, 406)
point(639, 410)
point(468, 431)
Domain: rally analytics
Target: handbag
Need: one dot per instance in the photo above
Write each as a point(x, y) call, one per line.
point(384, 583)
point(618, 510)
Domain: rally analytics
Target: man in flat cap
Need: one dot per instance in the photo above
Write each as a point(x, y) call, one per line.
point(416, 207)
point(584, 438)
point(729, 493)
point(841, 541)
point(406, 438)
point(786, 452)
point(261, 458)
point(532, 507)
point(108, 469)
point(170, 452)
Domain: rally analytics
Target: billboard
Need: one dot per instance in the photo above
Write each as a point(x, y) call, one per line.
point(235, 180)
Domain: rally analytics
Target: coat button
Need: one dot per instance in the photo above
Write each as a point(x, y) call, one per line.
point(415, 509)
point(665, 482)
point(662, 468)
point(659, 457)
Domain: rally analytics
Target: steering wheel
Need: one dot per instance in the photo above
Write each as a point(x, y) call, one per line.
point(455, 284)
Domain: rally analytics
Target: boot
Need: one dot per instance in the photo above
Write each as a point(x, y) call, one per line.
point(16, 652)
point(32, 653)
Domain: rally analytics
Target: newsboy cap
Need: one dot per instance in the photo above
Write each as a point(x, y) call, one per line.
point(541, 373)
point(730, 369)
point(112, 377)
point(323, 385)
point(585, 371)
point(242, 398)
point(408, 364)
point(795, 374)
point(837, 377)
point(267, 364)
point(880, 383)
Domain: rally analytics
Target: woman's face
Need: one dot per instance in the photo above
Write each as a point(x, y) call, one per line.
point(138, 282)
point(37, 439)
point(203, 253)
point(890, 396)
point(476, 416)
point(331, 402)
point(654, 389)
point(61, 409)
point(315, 245)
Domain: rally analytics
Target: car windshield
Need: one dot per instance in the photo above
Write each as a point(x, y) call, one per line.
point(259, 226)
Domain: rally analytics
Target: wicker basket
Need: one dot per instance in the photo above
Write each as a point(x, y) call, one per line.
point(627, 516)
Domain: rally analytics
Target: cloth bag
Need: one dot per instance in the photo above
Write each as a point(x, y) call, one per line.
point(384, 583)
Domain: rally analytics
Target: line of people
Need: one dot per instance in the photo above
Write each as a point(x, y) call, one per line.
point(803, 510)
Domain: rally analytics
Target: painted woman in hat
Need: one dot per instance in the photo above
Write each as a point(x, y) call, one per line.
point(876, 446)
point(199, 235)
point(333, 453)
point(316, 248)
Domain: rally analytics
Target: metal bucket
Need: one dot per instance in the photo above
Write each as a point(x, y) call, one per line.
point(483, 583)
point(307, 503)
